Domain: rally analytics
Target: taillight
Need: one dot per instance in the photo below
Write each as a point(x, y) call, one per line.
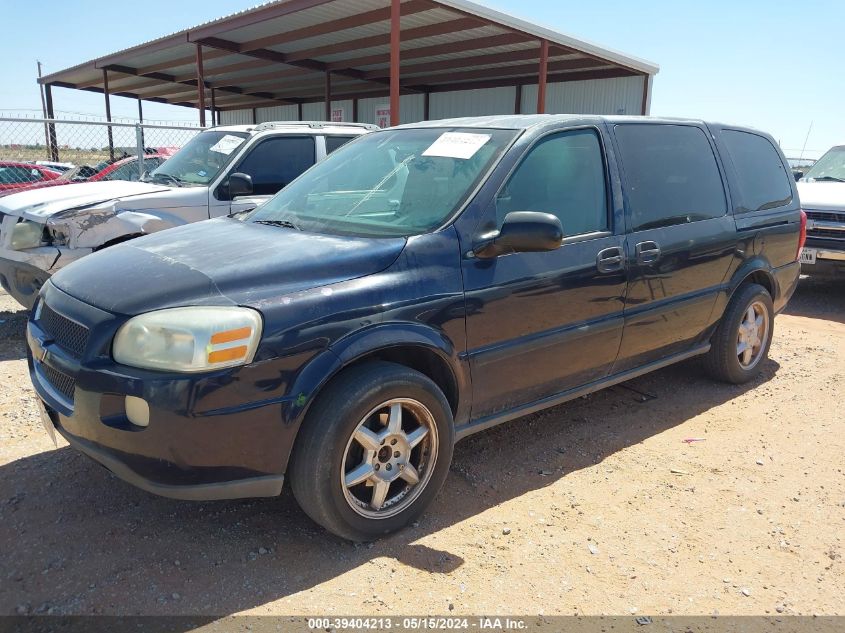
point(802, 236)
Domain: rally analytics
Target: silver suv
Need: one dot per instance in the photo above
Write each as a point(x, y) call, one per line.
point(222, 171)
point(822, 192)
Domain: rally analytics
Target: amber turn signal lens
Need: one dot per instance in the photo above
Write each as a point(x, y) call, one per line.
point(230, 336)
point(225, 355)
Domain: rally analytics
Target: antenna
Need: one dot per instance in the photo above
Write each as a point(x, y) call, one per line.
point(807, 138)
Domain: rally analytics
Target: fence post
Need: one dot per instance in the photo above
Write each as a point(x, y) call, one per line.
point(139, 142)
point(52, 141)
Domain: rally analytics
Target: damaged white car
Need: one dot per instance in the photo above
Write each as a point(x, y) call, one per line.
point(221, 171)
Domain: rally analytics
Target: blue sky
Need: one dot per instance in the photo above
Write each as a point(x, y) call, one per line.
point(777, 66)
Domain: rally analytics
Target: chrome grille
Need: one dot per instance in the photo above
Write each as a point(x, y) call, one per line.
point(827, 216)
point(828, 234)
point(60, 381)
point(68, 334)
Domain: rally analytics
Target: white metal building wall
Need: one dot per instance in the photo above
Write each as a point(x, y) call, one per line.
point(411, 108)
point(444, 105)
point(622, 95)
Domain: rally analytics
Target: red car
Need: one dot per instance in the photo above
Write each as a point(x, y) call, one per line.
point(123, 169)
point(19, 176)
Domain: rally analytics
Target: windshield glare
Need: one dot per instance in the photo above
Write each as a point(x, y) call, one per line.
point(830, 166)
point(201, 159)
point(388, 184)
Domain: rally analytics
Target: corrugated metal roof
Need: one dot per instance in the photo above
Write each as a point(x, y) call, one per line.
point(278, 52)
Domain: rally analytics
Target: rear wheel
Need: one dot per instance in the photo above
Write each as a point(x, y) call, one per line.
point(741, 343)
point(373, 451)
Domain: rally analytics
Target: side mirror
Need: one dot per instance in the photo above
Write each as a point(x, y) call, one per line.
point(523, 232)
point(239, 185)
point(798, 175)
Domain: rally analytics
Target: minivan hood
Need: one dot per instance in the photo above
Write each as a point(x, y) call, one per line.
point(40, 204)
point(220, 262)
point(823, 196)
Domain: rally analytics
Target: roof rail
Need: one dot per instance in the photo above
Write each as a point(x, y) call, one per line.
point(316, 125)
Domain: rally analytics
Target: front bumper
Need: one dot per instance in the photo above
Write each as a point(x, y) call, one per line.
point(830, 258)
point(212, 436)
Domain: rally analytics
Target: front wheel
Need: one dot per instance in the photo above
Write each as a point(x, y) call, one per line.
point(741, 343)
point(373, 451)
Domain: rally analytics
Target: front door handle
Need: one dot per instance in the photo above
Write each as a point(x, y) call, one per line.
point(647, 252)
point(610, 260)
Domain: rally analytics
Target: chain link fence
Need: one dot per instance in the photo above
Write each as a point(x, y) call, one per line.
point(46, 152)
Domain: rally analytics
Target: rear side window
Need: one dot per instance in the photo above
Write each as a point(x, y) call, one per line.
point(563, 175)
point(763, 181)
point(12, 174)
point(671, 173)
point(125, 172)
point(334, 142)
point(275, 162)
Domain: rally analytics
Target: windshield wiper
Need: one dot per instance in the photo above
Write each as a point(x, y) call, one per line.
point(169, 177)
point(832, 178)
point(282, 223)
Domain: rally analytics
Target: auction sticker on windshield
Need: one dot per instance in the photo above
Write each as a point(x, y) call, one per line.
point(462, 145)
point(227, 144)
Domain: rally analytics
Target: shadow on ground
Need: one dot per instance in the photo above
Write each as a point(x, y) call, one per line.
point(12, 334)
point(819, 299)
point(85, 542)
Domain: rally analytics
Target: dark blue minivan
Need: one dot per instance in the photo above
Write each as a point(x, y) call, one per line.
point(422, 283)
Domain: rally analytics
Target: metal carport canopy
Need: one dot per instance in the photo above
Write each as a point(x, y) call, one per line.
point(307, 51)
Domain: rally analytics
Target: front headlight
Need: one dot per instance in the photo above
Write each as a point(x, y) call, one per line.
point(26, 235)
point(189, 339)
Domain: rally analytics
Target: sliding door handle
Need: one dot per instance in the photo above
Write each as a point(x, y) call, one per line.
point(647, 252)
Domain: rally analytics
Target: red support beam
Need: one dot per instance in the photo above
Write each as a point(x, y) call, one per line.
point(464, 63)
point(214, 120)
point(426, 106)
point(465, 45)
point(395, 41)
point(646, 85)
point(200, 86)
point(328, 110)
point(330, 27)
point(517, 102)
point(355, 110)
point(373, 41)
point(544, 75)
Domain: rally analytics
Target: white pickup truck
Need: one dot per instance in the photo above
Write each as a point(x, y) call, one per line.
point(822, 193)
point(221, 171)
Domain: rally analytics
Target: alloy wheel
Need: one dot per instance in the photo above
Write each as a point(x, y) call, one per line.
point(752, 335)
point(389, 458)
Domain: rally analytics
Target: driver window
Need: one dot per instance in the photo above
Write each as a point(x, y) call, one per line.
point(563, 175)
point(275, 162)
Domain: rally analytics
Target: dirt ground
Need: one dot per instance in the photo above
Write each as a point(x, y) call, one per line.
point(597, 506)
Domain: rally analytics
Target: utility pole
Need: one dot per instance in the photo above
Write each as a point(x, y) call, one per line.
point(43, 109)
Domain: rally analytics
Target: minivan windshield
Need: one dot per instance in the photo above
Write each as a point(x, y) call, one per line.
point(388, 184)
point(830, 167)
point(199, 162)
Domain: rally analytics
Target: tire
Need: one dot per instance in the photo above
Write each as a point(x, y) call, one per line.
point(724, 361)
point(357, 410)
